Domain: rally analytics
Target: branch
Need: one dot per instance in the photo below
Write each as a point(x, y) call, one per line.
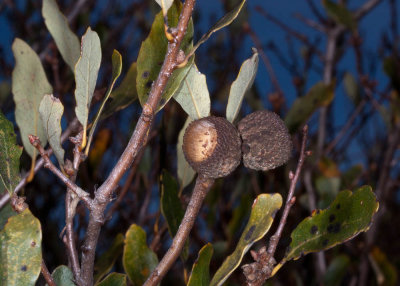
point(39, 164)
point(103, 194)
point(46, 274)
point(200, 191)
point(257, 272)
point(364, 9)
point(84, 196)
point(290, 200)
point(71, 201)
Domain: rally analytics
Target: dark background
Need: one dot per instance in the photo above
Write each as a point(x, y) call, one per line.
point(123, 25)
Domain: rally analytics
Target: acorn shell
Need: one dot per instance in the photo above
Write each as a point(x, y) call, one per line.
point(211, 146)
point(266, 142)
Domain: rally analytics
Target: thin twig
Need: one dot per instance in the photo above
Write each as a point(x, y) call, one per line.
point(39, 163)
point(46, 274)
point(290, 200)
point(319, 262)
point(71, 202)
point(346, 127)
point(315, 11)
point(84, 196)
point(310, 23)
point(200, 191)
point(257, 272)
point(103, 194)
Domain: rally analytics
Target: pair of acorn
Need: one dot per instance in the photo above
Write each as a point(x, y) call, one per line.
point(214, 147)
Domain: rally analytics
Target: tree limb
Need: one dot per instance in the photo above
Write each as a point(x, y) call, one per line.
point(103, 194)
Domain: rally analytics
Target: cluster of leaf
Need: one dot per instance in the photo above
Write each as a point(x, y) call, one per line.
point(38, 112)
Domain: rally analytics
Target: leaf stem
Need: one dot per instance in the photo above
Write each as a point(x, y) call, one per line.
point(83, 195)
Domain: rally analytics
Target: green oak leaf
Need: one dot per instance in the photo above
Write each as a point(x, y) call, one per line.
point(67, 42)
point(29, 85)
point(124, 95)
point(63, 276)
point(350, 214)
point(138, 259)
point(241, 85)
point(10, 154)
point(337, 270)
point(116, 72)
point(20, 250)
point(261, 217)
point(114, 279)
point(200, 275)
point(107, 260)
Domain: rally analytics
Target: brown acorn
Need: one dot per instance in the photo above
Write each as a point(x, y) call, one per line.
point(211, 146)
point(266, 142)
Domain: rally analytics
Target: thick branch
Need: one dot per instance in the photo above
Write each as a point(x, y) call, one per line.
point(102, 197)
point(200, 191)
point(84, 196)
point(71, 202)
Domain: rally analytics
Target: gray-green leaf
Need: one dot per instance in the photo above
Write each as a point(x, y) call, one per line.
point(29, 85)
point(114, 279)
point(138, 259)
point(185, 172)
point(10, 154)
point(193, 94)
point(51, 111)
point(116, 72)
point(63, 276)
point(86, 71)
point(241, 85)
point(67, 42)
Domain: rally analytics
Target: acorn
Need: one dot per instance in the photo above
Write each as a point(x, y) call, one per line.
point(266, 142)
point(212, 146)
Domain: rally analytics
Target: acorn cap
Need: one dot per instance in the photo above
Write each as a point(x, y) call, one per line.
point(266, 142)
point(211, 146)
